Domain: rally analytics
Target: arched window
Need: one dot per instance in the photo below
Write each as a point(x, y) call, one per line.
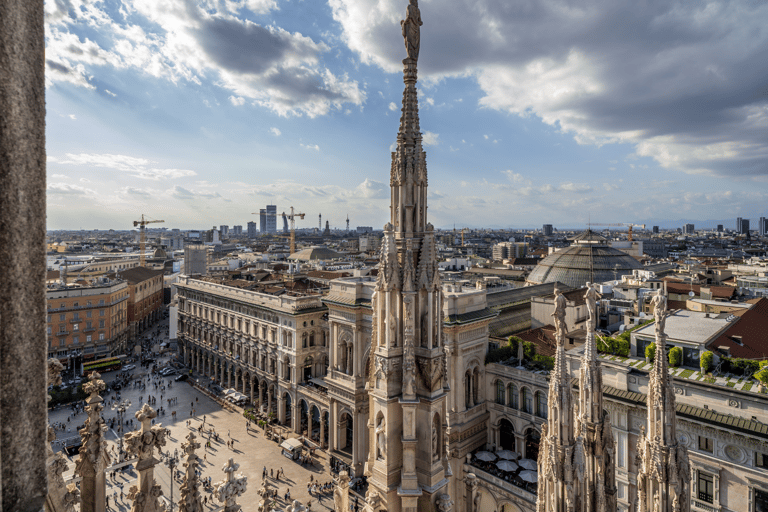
point(304, 340)
point(499, 392)
point(527, 401)
point(312, 339)
point(514, 399)
point(541, 405)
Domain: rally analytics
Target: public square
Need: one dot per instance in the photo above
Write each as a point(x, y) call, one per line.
point(251, 449)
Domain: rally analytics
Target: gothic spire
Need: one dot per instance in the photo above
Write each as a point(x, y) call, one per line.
point(663, 477)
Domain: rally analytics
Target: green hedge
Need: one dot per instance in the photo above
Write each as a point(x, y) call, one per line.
point(650, 351)
point(741, 366)
point(69, 395)
point(706, 361)
point(762, 375)
point(618, 346)
point(675, 356)
point(536, 361)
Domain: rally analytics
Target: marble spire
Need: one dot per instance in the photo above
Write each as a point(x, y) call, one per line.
point(406, 385)
point(663, 478)
point(576, 455)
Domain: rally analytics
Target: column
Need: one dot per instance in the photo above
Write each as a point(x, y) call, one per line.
point(269, 400)
point(322, 430)
point(350, 361)
point(296, 418)
point(253, 379)
point(309, 421)
point(520, 445)
point(229, 376)
point(332, 440)
point(280, 410)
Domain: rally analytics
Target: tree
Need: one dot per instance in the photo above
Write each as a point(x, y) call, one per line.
point(650, 351)
point(762, 376)
point(675, 356)
point(706, 361)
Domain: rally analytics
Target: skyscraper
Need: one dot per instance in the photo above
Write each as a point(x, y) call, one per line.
point(271, 219)
point(252, 232)
point(738, 224)
point(761, 227)
point(262, 221)
point(547, 229)
point(689, 229)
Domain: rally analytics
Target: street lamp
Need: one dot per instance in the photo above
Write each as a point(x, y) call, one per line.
point(171, 461)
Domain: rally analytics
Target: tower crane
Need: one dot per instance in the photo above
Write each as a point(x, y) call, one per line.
point(143, 236)
point(628, 225)
point(292, 217)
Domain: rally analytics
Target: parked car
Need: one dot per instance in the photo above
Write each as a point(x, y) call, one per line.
point(129, 367)
point(181, 377)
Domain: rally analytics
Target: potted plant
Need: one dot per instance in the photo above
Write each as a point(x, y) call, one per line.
point(706, 361)
point(675, 356)
point(762, 378)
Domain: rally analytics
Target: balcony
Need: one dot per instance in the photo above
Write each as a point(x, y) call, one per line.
point(62, 333)
point(89, 329)
point(524, 490)
point(76, 320)
point(701, 505)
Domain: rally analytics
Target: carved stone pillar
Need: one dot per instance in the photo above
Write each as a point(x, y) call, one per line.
point(322, 431)
point(350, 359)
point(253, 380)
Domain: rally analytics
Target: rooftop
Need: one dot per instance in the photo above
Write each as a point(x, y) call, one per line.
point(690, 326)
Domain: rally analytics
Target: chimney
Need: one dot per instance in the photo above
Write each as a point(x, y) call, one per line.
point(725, 351)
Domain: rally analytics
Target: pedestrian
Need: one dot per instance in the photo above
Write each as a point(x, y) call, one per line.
point(271, 473)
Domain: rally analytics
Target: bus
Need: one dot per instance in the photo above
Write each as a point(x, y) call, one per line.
point(103, 365)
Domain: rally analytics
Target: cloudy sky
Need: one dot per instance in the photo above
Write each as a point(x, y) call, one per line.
point(534, 111)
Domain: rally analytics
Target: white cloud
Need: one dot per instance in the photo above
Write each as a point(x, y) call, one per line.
point(486, 137)
point(67, 189)
point(237, 100)
point(267, 65)
point(72, 116)
point(110, 93)
point(392, 106)
point(693, 100)
point(138, 167)
point(60, 176)
point(311, 146)
point(372, 189)
point(429, 101)
point(431, 139)
point(276, 132)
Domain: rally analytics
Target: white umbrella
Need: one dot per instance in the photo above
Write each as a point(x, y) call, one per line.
point(527, 464)
point(507, 454)
point(529, 476)
point(506, 465)
point(486, 456)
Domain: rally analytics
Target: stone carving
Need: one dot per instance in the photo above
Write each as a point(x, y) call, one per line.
point(679, 391)
point(93, 454)
point(476, 501)
point(381, 439)
point(430, 371)
point(733, 452)
point(228, 490)
point(447, 351)
point(341, 492)
point(60, 497)
point(408, 372)
point(190, 500)
point(411, 28)
point(141, 443)
point(382, 367)
point(734, 403)
point(444, 503)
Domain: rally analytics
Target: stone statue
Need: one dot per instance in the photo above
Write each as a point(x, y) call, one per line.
point(381, 439)
point(659, 302)
point(591, 298)
point(341, 492)
point(411, 30)
point(476, 501)
point(94, 458)
point(520, 352)
point(435, 447)
point(228, 490)
point(559, 314)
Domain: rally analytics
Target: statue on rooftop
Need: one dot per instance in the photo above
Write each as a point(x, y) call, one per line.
point(560, 304)
point(659, 302)
point(411, 30)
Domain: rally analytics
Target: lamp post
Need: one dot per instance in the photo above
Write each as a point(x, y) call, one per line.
point(171, 461)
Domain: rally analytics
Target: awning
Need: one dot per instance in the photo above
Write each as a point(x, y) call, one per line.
point(317, 381)
point(291, 444)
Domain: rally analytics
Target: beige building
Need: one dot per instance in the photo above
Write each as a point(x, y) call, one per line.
point(88, 319)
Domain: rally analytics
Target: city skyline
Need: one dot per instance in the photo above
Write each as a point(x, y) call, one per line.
point(200, 116)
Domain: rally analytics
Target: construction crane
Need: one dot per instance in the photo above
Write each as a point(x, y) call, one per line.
point(143, 236)
point(292, 217)
point(628, 225)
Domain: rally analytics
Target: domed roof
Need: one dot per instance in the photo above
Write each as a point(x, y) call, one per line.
point(159, 253)
point(589, 259)
point(316, 252)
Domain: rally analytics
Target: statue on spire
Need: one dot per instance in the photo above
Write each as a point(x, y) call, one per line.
point(411, 30)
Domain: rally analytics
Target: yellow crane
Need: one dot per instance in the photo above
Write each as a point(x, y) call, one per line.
point(143, 236)
point(292, 217)
point(628, 225)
